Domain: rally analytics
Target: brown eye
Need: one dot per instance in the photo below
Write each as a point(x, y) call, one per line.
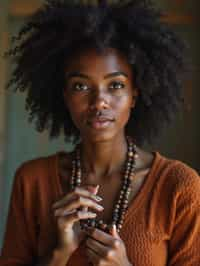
point(80, 87)
point(116, 85)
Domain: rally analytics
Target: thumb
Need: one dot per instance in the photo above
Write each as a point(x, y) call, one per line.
point(114, 232)
point(93, 188)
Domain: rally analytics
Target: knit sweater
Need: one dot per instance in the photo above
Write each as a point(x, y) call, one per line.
point(161, 226)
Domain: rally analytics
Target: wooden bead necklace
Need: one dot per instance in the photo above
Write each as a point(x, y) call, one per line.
point(122, 203)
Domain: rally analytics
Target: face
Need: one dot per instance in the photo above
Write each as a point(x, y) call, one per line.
point(99, 93)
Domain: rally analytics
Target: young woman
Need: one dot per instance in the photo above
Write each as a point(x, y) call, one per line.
point(111, 77)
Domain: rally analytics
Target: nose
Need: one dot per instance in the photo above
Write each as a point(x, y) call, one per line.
point(99, 101)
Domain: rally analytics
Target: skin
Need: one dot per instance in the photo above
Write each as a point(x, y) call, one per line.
point(102, 83)
point(104, 150)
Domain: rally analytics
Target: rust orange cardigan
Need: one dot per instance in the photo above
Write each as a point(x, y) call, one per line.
point(161, 226)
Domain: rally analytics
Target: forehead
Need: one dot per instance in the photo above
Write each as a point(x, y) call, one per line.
point(92, 61)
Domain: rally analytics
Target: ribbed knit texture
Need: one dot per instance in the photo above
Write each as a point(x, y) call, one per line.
point(161, 227)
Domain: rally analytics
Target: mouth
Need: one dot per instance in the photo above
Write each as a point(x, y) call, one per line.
point(100, 123)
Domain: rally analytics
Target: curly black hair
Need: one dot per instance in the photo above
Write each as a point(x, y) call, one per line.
point(59, 29)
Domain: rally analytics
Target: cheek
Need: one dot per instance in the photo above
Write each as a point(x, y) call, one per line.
point(123, 107)
point(76, 107)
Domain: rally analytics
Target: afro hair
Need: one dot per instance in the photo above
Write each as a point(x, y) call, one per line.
point(60, 28)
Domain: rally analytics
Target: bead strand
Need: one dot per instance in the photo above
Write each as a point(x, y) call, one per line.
point(121, 205)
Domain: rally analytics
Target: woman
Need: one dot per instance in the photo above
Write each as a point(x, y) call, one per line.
point(111, 77)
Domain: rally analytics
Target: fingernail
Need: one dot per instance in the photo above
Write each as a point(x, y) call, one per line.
point(100, 207)
point(98, 198)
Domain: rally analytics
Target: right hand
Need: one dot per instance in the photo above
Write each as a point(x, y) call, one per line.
point(69, 230)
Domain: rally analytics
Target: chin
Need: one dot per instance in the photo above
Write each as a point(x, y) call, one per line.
point(100, 136)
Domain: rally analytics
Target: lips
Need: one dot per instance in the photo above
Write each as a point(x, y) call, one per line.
point(100, 122)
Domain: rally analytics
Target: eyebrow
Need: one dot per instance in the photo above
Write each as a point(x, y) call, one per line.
point(78, 74)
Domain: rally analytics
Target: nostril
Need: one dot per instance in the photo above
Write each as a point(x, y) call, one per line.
point(99, 103)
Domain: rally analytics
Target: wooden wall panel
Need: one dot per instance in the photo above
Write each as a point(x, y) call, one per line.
point(23, 8)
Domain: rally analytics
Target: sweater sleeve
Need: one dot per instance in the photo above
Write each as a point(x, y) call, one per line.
point(17, 247)
point(184, 243)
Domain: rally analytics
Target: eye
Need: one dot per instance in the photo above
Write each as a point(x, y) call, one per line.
point(116, 85)
point(80, 86)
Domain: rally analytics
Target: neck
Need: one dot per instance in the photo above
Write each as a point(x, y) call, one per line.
point(101, 159)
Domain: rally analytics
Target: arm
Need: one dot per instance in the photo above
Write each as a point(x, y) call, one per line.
point(55, 258)
point(17, 248)
point(185, 237)
point(20, 238)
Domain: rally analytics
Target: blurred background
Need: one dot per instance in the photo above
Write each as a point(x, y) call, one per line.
point(19, 141)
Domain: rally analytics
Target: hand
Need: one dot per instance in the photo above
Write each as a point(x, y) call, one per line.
point(105, 249)
point(69, 230)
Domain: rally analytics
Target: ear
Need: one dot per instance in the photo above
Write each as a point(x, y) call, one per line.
point(134, 98)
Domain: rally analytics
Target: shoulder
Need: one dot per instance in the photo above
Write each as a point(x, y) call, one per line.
point(45, 169)
point(36, 164)
point(64, 162)
point(36, 169)
point(181, 180)
point(175, 192)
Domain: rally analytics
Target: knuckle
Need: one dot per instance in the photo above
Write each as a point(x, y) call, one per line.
point(63, 224)
point(91, 203)
point(58, 211)
point(76, 190)
point(66, 228)
point(116, 243)
point(78, 198)
point(77, 214)
point(60, 223)
point(101, 262)
point(75, 193)
point(90, 194)
point(109, 254)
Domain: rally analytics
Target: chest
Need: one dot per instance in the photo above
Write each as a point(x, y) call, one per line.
point(109, 191)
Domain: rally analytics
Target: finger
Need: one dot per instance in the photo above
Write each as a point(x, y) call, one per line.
point(78, 191)
point(94, 190)
point(103, 237)
point(114, 233)
point(84, 209)
point(86, 191)
point(97, 246)
point(73, 216)
point(93, 256)
point(79, 202)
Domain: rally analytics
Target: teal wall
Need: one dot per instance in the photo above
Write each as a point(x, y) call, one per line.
point(23, 142)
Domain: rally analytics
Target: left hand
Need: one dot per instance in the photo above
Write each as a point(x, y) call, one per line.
point(105, 249)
